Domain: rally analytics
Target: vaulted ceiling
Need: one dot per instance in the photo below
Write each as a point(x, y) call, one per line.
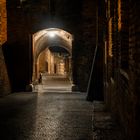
point(52, 37)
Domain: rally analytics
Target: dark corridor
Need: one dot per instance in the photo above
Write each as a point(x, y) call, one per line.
point(101, 39)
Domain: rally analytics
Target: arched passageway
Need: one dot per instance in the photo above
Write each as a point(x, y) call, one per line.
point(52, 53)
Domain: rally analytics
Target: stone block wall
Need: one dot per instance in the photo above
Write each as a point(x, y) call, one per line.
point(134, 60)
point(84, 44)
point(122, 88)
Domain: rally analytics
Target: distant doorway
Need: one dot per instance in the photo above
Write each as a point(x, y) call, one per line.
point(52, 53)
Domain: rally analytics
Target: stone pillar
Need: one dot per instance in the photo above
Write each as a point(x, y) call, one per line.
point(52, 63)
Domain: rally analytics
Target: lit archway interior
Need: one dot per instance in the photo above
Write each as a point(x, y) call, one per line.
point(52, 51)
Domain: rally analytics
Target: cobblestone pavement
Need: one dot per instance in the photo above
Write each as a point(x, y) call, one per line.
point(54, 83)
point(45, 116)
point(105, 126)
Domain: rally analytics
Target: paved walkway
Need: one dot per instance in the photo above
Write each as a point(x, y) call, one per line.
point(45, 116)
point(55, 116)
point(105, 127)
point(54, 83)
point(51, 115)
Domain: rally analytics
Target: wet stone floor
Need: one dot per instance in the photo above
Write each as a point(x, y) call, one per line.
point(46, 116)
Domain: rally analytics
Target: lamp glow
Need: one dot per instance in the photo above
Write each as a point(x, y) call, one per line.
point(51, 34)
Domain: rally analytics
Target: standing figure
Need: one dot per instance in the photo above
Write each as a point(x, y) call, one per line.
point(40, 78)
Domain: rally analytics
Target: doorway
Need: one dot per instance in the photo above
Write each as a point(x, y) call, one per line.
point(52, 53)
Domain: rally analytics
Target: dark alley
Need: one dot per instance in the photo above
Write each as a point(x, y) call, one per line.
point(69, 70)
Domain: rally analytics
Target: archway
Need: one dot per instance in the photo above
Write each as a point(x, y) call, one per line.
point(54, 47)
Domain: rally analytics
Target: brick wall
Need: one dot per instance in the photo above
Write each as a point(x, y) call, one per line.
point(134, 45)
point(4, 79)
point(123, 64)
point(3, 22)
point(95, 89)
point(86, 44)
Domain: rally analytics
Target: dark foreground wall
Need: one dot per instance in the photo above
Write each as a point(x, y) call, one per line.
point(4, 78)
point(122, 66)
point(17, 61)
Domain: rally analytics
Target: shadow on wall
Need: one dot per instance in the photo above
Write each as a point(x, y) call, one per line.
point(17, 62)
point(4, 79)
point(18, 116)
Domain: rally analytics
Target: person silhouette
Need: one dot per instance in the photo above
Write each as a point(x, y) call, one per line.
point(40, 78)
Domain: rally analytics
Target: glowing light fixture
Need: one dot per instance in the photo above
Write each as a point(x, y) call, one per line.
point(52, 34)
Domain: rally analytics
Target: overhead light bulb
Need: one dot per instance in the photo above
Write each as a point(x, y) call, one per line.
point(51, 34)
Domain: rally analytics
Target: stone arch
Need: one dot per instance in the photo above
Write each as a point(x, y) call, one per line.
point(48, 38)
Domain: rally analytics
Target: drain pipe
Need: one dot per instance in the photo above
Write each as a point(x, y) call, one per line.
point(94, 57)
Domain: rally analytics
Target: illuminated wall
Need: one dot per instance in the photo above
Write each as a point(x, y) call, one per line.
point(4, 79)
point(3, 23)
